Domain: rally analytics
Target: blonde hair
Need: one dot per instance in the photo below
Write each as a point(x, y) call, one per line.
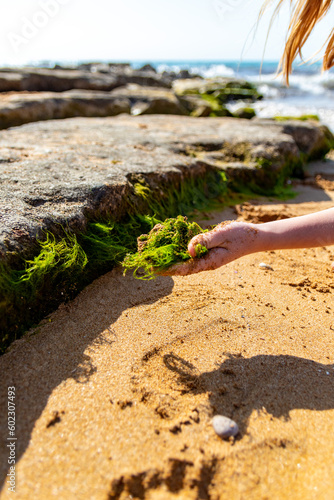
point(305, 15)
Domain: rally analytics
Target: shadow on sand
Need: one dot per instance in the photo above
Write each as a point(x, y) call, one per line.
point(41, 361)
point(275, 384)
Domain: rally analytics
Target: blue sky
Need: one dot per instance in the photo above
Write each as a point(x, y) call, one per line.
point(72, 30)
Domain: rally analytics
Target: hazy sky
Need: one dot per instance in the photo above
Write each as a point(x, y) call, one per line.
point(71, 30)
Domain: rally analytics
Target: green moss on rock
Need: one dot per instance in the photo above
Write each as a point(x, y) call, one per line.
point(302, 118)
point(246, 113)
point(64, 264)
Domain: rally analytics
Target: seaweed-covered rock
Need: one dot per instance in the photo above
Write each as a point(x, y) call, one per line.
point(222, 89)
point(196, 106)
point(64, 174)
point(247, 113)
point(217, 93)
point(66, 171)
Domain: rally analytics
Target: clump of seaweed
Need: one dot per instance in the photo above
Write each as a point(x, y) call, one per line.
point(164, 245)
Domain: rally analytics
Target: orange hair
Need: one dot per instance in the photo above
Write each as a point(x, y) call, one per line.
point(305, 15)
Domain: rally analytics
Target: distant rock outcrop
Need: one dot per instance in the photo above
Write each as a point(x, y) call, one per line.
point(60, 80)
point(20, 108)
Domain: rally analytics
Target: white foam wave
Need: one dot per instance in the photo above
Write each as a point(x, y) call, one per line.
point(207, 71)
point(308, 93)
point(216, 70)
point(268, 109)
point(273, 85)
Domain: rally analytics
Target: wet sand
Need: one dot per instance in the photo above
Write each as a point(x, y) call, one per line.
point(115, 391)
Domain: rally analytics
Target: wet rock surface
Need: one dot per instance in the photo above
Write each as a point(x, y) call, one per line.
point(66, 171)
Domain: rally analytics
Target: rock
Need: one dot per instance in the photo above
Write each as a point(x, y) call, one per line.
point(229, 94)
point(312, 141)
point(222, 112)
point(187, 86)
point(143, 78)
point(222, 89)
point(202, 111)
point(101, 68)
point(224, 427)
point(311, 137)
point(38, 80)
point(66, 171)
point(10, 81)
point(247, 113)
point(148, 67)
point(60, 80)
point(196, 106)
point(263, 265)
point(112, 66)
point(17, 109)
point(150, 100)
point(216, 93)
point(183, 74)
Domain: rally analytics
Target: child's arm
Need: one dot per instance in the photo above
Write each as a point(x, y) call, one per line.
point(229, 241)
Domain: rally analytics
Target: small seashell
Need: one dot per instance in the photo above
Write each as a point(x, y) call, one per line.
point(224, 426)
point(263, 265)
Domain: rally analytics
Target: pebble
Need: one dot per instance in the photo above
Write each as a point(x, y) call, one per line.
point(263, 265)
point(224, 426)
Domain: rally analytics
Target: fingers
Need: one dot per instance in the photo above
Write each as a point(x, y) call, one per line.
point(212, 239)
point(214, 259)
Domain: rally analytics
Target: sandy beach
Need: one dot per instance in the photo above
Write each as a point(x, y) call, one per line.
point(115, 391)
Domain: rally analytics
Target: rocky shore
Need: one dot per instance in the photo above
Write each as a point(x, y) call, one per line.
point(60, 176)
point(118, 391)
point(34, 94)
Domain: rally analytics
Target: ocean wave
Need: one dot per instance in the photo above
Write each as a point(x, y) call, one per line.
point(291, 107)
point(215, 71)
point(310, 92)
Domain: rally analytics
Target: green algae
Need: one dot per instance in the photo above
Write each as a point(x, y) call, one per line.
point(56, 256)
point(166, 244)
point(247, 113)
point(50, 276)
point(302, 118)
point(65, 263)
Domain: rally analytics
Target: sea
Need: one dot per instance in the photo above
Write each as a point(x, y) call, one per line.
point(311, 91)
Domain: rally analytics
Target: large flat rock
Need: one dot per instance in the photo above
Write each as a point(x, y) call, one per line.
point(25, 107)
point(18, 108)
point(66, 171)
point(60, 80)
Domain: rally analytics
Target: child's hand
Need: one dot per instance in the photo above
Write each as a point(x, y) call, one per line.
point(231, 240)
point(227, 242)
